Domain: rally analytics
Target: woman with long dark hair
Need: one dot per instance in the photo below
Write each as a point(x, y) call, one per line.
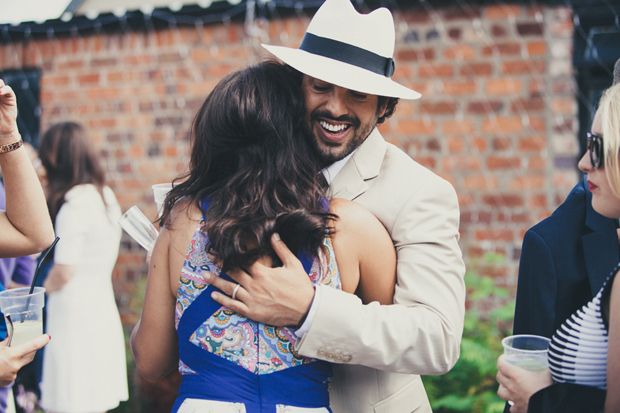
point(252, 181)
point(84, 367)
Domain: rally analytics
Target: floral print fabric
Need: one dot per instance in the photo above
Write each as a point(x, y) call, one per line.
point(257, 347)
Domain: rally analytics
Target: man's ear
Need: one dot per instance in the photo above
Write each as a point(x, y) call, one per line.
point(381, 108)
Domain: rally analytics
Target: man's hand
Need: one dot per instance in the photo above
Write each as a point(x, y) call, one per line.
point(14, 358)
point(275, 296)
point(517, 385)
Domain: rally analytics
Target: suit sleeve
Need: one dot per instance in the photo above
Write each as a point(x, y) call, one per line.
point(421, 332)
point(536, 288)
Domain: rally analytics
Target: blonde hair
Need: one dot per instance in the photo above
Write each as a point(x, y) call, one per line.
point(610, 116)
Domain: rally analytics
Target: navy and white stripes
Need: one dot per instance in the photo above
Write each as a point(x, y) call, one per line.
point(578, 349)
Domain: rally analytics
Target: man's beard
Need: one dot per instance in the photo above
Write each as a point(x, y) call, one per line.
point(328, 152)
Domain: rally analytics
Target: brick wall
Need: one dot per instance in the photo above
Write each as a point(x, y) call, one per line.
point(497, 117)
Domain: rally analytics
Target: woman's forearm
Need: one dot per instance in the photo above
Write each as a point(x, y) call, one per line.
point(26, 222)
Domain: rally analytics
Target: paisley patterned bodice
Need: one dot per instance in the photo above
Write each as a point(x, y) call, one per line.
point(257, 347)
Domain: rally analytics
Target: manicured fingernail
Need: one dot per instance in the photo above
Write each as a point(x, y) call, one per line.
point(49, 336)
point(276, 236)
point(206, 276)
point(215, 296)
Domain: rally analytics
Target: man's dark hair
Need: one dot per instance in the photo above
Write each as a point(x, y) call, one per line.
point(389, 110)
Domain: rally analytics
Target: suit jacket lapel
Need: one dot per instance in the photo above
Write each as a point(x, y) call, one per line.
point(600, 247)
point(364, 165)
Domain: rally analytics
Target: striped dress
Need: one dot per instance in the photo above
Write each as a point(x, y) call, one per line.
point(578, 349)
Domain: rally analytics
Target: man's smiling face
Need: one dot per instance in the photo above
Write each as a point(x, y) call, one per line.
point(338, 119)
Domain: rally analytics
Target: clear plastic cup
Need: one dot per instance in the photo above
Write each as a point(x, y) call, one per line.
point(527, 351)
point(139, 227)
point(159, 193)
point(23, 313)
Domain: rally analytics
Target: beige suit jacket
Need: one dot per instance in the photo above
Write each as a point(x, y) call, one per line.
point(380, 351)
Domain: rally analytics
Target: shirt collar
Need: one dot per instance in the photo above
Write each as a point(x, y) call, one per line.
point(332, 170)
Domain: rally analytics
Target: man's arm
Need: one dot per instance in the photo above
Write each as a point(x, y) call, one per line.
point(419, 334)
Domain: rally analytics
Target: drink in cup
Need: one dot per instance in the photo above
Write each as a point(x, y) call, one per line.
point(23, 313)
point(159, 193)
point(527, 351)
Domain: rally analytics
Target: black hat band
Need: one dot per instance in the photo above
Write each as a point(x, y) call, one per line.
point(347, 53)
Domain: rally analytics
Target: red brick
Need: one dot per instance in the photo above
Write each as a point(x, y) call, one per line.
point(484, 107)
point(520, 67)
point(564, 106)
point(460, 88)
point(502, 12)
point(532, 144)
point(537, 48)
point(503, 162)
point(530, 29)
point(479, 144)
point(460, 52)
point(456, 144)
point(460, 13)
point(527, 182)
point(476, 217)
point(498, 30)
point(415, 55)
point(415, 127)
point(463, 127)
point(538, 201)
point(535, 104)
point(502, 125)
point(436, 70)
point(503, 86)
point(503, 201)
point(480, 182)
point(494, 235)
point(428, 162)
point(102, 93)
point(460, 162)
point(92, 78)
point(501, 144)
point(503, 49)
point(477, 69)
point(438, 108)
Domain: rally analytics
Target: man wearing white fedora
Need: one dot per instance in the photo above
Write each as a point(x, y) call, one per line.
point(378, 351)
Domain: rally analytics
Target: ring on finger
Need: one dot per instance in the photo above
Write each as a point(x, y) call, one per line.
point(234, 293)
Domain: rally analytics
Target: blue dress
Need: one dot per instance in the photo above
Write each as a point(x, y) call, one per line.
point(227, 357)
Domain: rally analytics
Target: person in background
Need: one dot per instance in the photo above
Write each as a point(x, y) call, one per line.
point(84, 369)
point(25, 226)
point(584, 354)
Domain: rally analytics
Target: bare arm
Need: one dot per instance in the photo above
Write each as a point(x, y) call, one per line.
point(59, 275)
point(154, 338)
point(26, 227)
point(612, 401)
point(364, 252)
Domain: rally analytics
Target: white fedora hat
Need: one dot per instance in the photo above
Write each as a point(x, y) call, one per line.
point(348, 49)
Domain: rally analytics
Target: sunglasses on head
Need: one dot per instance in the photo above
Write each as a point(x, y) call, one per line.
point(595, 146)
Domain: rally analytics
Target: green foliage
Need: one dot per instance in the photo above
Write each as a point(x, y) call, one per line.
point(471, 385)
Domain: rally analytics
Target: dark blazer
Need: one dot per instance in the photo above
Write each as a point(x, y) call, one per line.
point(565, 260)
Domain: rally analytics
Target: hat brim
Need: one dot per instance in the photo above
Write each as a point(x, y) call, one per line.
point(341, 74)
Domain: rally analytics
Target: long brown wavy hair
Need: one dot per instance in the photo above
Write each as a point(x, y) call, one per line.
point(69, 159)
point(251, 160)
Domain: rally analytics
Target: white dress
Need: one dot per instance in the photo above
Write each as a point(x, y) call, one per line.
point(84, 367)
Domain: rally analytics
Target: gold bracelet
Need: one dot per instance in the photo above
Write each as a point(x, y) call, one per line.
point(11, 146)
